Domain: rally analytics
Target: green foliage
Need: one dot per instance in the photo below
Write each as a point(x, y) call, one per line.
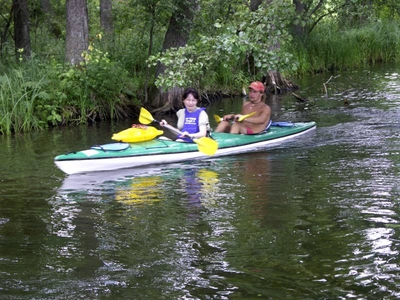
point(387, 10)
point(22, 101)
point(36, 94)
point(99, 87)
point(185, 67)
point(330, 47)
point(261, 36)
point(228, 46)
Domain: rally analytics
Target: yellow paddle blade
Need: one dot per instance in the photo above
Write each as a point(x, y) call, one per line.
point(145, 116)
point(207, 145)
point(246, 116)
point(217, 118)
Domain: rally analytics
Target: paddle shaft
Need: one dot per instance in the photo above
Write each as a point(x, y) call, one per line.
point(172, 128)
point(230, 119)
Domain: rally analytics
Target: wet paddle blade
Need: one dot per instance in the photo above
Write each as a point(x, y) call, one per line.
point(206, 145)
point(246, 116)
point(217, 118)
point(145, 116)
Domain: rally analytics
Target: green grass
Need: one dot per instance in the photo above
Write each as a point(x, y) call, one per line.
point(329, 48)
point(19, 96)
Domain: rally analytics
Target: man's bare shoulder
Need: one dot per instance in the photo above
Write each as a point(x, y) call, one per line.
point(267, 106)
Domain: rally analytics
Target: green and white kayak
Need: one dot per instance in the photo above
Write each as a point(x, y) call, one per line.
point(159, 151)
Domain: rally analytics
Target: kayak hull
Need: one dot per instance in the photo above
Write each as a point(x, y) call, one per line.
point(158, 151)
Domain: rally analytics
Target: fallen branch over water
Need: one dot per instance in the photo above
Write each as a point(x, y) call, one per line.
point(330, 78)
point(301, 99)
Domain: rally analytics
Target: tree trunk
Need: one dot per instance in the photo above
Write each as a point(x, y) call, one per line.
point(152, 11)
point(179, 27)
point(276, 83)
point(300, 9)
point(273, 80)
point(21, 28)
point(50, 18)
point(177, 35)
point(254, 4)
point(6, 31)
point(106, 18)
point(46, 7)
point(77, 39)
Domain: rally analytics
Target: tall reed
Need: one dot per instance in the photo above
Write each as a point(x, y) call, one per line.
point(333, 48)
point(18, 99)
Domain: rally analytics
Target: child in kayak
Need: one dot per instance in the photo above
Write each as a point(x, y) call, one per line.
point(192, 120)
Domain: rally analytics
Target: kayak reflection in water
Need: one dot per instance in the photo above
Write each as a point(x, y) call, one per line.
point(254, 123)
point(192, 120)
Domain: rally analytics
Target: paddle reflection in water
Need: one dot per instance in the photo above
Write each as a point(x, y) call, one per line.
point(141, 190)
point(200, 187)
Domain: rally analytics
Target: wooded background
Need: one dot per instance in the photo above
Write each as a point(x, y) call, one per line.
point(75, 61)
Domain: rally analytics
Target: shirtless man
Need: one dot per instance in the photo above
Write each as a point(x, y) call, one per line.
point(254, 124)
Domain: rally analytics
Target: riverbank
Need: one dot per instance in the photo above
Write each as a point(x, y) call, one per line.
point(43, 93)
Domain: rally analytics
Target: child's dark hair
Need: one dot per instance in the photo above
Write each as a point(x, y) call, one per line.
point(192, 91)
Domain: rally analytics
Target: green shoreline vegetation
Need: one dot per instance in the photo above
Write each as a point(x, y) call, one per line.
point(342, 49)
point(43, 90)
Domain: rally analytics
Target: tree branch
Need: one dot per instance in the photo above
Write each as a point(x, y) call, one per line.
point(330, 12)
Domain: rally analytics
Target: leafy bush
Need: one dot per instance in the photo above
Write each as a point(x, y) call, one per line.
point(36, 94)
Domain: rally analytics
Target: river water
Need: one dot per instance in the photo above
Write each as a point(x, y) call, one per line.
point(315, 218)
